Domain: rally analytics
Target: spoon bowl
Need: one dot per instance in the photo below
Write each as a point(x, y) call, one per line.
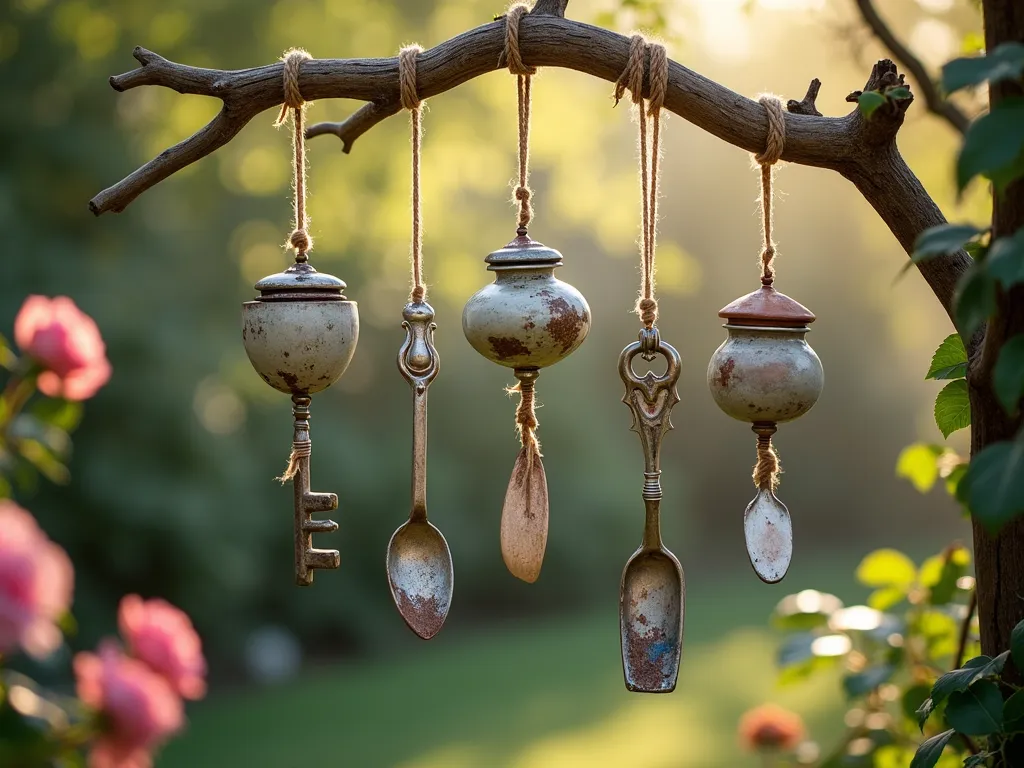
point(421, 576)
point(651, 620)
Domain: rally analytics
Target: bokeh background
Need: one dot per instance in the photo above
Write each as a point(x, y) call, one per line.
point(172, 491)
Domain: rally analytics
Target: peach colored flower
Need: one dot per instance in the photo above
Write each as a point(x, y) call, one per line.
point(139, 708)
point(66, 342)
point(162, 636)
point(36, 584)
point(771, 727)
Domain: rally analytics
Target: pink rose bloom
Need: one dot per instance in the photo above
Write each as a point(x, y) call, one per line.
point(162, 636)
point(36, 584)
point(139, 707)
point(66, 342)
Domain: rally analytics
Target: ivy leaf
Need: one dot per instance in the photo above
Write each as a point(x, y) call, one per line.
point(1005, 62)
point(953, 408)
point(978, 711)
point(949, 360)
point(943, 239)
point(1017, 645)
point(1006, 259)
point(974, 301)
point(995, 483)
point(869, 102)
point(993, 145)
point(1013, 713)
point(930, 751)
point(961, 679)
point(886, 568)
point(1008, 375)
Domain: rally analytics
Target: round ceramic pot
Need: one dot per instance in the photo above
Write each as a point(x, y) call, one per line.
point(301, 333)
point(765, 374)
point(526, 318)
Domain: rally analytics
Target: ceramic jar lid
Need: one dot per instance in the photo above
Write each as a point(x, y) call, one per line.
point(301, 282)
point(766, 306)
point(523, 252)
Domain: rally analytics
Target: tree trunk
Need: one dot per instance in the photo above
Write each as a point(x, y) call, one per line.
point(999, 560)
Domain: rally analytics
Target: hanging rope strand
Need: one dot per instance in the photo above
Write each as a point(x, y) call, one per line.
point(293, 59)
point(774, 145)
point(632, 78)
point(513, 58)
point(410, 100)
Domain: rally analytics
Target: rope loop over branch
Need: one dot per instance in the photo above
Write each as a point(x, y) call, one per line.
point(632, 78)
point(511, 56)
point(293, 102)
point(774, 146)
point(411, 101)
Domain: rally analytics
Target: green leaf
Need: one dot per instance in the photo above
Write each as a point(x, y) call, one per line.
point(974, 300)
point(941, 573)
point(1013, 713)
point(899, 92)
point(1017, 645)
point(913, 698)
point(994, 483)
point(961, 679)
point(953, 408)
point(930, 751)
point(861, 683)
point(993, 144)
point(918, 463)
point(1006, 259)
point(885, 598)
point(886, 568)
point(1005, 62)
point(869, 102)
point(63, 414)
point(924, 712)
point(949, 360)
point(1008, 375)
point(943, 239)
point(980, 759)
point(978, 711)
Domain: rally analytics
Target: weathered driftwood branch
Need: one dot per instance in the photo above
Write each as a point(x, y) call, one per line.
point(861, 150)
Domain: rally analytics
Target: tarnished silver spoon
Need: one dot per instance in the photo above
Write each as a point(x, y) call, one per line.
point(652, 589)
point(419, 562)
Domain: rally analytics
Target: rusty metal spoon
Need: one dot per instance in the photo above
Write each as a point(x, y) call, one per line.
point(419, 561)
point(652, 589)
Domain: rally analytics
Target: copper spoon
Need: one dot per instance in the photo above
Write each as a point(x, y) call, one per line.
point(419, 561)
point(652, 589)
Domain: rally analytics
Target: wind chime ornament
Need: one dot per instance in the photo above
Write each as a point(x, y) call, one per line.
point(300, 335)
point(766, 373)
point(419, 562)
point(652, 590)
point(526, 320)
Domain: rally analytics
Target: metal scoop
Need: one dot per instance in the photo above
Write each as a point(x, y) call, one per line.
point(652, 590)
point(419, 561)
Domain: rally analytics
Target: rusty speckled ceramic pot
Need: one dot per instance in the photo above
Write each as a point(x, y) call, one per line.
point(301, 333)
point(765, 371)
point(526, 318)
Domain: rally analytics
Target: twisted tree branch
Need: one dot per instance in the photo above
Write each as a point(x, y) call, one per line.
point(936, 103)
point(862, 151)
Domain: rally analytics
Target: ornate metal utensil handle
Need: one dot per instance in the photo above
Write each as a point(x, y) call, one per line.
point(650, 399)
point(419, 363)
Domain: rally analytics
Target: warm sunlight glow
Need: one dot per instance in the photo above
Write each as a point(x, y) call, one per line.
point(831, 645)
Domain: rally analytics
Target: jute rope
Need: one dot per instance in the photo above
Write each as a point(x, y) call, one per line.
point(513, 58)
point(410, 100)
point(526, 414)
point(632, 78)
point(300, 239)
point(774, 146)
point(767, 470)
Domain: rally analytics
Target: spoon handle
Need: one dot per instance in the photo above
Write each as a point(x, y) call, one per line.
point(650, 399)
point(418, 363)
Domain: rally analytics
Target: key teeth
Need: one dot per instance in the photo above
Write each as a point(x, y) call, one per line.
point(322, 558)
point(319, 502)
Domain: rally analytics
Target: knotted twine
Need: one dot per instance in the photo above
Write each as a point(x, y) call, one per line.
point(410, 101)
point(632, 78)
point(526, 415)
point(767, 470)
point(299, 239)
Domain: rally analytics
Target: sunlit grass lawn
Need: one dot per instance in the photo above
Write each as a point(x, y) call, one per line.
point(542, 694)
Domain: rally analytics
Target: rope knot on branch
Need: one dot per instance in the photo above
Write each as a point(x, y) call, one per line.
point(292, 95)
point(511, 55)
